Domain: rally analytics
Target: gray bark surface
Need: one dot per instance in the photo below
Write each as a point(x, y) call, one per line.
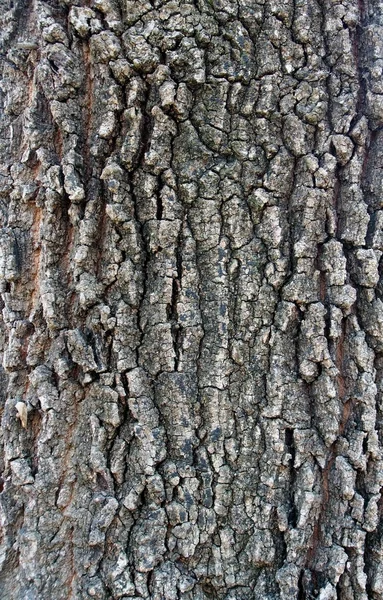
point(192, 319)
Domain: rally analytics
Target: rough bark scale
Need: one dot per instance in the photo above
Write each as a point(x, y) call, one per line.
point(192, 331)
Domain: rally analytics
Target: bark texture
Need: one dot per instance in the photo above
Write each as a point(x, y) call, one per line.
point(192, 324)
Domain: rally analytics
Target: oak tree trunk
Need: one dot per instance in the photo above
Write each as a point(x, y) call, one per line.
point(192, 317)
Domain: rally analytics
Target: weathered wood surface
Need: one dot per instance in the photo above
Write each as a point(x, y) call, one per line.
point(192, 334)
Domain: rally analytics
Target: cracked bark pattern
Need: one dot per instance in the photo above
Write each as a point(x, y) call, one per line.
point(192, 323)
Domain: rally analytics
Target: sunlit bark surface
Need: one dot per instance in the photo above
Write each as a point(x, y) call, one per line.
point(192, 319)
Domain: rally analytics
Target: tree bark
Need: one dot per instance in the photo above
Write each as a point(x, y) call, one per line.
point(192, 317)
